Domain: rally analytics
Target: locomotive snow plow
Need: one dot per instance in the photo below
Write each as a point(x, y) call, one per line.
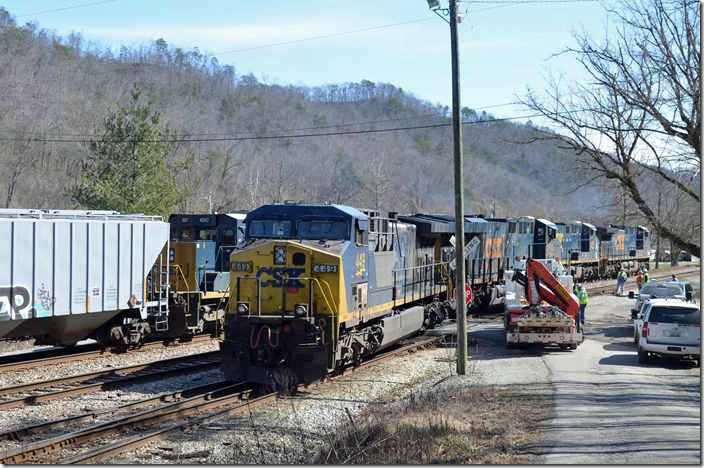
point(539, 309)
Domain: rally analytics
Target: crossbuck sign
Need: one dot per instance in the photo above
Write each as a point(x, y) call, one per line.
point(468, 249)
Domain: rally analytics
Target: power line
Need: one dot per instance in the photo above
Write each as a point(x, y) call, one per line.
point(319, 127)
point(325, 36)
point(277, 137)
point(65, 8)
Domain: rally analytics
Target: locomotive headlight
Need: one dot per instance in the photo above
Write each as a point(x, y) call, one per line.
point(301, 310)
point(280, 255)
point(242, 308)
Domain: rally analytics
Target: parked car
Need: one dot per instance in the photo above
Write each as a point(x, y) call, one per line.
point(654, 290)
point(668, 328)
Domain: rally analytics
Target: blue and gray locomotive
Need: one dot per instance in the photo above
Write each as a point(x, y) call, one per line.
point(316, 287)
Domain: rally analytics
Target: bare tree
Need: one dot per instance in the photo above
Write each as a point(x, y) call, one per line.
point(640, 112)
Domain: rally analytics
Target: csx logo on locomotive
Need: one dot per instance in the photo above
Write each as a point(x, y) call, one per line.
point(277, 277)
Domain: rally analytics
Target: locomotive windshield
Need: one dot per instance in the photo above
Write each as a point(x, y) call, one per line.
point(335, 228)
point(270, 228)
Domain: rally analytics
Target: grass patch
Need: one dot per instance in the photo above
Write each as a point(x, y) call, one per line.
point(458, 423)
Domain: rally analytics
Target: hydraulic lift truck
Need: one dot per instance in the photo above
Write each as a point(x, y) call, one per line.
point(528, 320)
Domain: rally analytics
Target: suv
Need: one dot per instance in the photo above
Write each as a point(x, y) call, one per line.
point(670, 290)
point(668, 328)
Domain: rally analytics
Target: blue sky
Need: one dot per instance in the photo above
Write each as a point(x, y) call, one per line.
point(503, 47)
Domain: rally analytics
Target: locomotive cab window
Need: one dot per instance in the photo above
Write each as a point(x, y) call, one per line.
point(207, 234)
point(329, 229)
point(361, 233)
point(188, 234)
point(511, 228)
point(228, 237)
point(270, 228)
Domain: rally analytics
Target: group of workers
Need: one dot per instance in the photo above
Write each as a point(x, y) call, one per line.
point(642, 278)
point(621, 278)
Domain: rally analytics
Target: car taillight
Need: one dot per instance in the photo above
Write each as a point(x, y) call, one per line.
point(645, 331)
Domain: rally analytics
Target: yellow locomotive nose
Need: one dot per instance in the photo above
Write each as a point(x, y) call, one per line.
point(284, 278)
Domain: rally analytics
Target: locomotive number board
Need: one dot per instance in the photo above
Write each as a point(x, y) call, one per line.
point(323, 268)
point(241, 266)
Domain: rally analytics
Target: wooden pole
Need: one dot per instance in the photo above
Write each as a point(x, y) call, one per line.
point(459, 196)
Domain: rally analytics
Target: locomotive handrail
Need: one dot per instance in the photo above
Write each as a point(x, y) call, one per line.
point(259, 292)
point(317, 280)
point(185, 281)
point(220, 251)
point(415, 280)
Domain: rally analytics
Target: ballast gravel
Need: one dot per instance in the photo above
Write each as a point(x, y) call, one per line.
point(293, 429)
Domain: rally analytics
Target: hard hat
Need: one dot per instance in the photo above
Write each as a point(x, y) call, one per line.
point(579, 285)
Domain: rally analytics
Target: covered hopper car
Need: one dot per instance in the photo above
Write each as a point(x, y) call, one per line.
point(69, 275)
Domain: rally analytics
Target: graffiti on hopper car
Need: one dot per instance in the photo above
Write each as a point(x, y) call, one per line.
point(15, 302)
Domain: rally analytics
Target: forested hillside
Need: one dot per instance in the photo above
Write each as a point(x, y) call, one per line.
point(250, 142)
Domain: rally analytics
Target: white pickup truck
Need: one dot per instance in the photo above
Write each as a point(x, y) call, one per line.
point(667, 328)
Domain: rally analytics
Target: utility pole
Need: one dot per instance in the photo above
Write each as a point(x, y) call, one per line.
point(460, 305)
point(459, 195)
point(657, 248)
point(210, 202)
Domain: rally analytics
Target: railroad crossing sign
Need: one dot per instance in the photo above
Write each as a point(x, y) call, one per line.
point(467, 294)
point(468, 249)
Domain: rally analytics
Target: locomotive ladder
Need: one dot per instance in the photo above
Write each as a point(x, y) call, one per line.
point(161, 321)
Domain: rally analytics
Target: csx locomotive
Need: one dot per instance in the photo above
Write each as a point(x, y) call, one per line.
point(317, 287)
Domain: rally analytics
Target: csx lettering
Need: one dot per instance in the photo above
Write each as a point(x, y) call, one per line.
point(620, 242)
point(493, 248)
point(281, 276)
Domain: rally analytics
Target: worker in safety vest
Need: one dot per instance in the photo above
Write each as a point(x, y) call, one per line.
point(621, 281)
point(639, 279)
point(583, 299)
point(646, 277)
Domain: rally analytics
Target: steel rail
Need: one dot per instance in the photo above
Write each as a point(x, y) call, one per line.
point(599, 290)
point(20, 433)
point(108, 385)
point(23, 388)
point(166, 412)
point(131, 443)
point(40, 358)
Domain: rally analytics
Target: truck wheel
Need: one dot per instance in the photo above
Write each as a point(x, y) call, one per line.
point(573, 346)
point(643, 357)
point(510, 345)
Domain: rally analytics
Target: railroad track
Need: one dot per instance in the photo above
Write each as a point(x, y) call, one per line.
point(682, 273)
point(21, 361)
point(175, 366)
point(229, 400)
